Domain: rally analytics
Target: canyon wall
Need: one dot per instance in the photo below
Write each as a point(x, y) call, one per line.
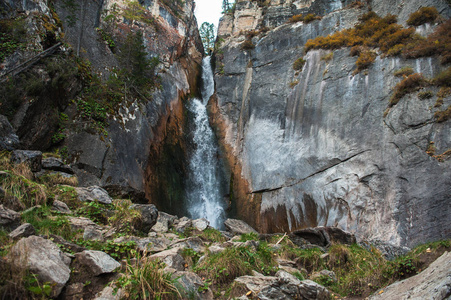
point(318, 147)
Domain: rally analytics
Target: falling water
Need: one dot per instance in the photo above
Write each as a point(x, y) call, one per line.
point(204, 195)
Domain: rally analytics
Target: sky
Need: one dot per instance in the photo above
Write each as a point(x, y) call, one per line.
point(208, 11)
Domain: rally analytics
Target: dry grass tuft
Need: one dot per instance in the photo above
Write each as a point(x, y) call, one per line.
point(408, 85)
point(422, 16)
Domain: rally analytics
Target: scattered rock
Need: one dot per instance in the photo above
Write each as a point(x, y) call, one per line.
point(216, 248)
point(74, 291)
point(61, 207)
point(433, 283)
point(32, 158)
point(164, 222)
point(81, 223)
point(24, 230)
point(339, 236)
point(194, 243)
point(201, 224)
point(388, 250)
point(149, 216)
point(108, 294)
point(67, 245)
point(153, 244)
point(183, 224)
point(93, 234)
point(8, 138)
point(171, 258)
point(324, 273)
point(43, 258)
point(190, 283)
point(238, 227)
point(9, 218)
point(93, 193)
point(56, 164)
point(97, 261)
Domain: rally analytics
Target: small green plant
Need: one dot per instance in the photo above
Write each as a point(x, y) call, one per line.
point(252, 236)
point(299, 64)
point(124, 219)
point(33, 285)
point(212, 235)
point(95, 211)
point(47, 222)
point(422, 16)
point(191, 257)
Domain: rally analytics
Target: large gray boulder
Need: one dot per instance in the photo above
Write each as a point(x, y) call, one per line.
point(171, 258)
point(433, 283)
point(56, 164)
point(43, 258)
point(238, 227)
point(98, 262)
point(164, 222)
point(93, 193)
point(8, 138)
point(32, 158)
point(149, 215)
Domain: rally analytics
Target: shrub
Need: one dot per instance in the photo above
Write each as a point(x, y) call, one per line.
point(423, 15)
point(310, 18)
point(296, 18)
point(147, 280)
point(444, 78)
point(442, 116)
point(403, 72)
point(247, 45)
point(425, 95)
point(356, 50)
point(365, 60)
point(298, 64)
point(328, 57)
point(47, 222)
point(212, 235)
point(124, 219)
point(407, 85)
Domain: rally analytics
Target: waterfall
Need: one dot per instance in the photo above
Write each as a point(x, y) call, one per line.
point(204, 196)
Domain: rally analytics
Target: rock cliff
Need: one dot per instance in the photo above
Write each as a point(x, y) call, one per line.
point(134, 147)
point(314, 147)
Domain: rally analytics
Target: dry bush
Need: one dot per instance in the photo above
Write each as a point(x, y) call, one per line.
point(442, 116)
point(310, 18)
point(298, 64)
point(296, 18)
point(247, 45)
point(408, 85)
point(443, 79)
point(422, 16)
point(403, 72)
point(365, 60)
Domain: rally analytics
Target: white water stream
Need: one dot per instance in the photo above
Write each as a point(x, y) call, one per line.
point(204, 197)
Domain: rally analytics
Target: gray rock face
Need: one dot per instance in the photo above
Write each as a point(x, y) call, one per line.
point(322, 153)
point(43, 258)
point(432, 283)
point(56, 164)
point(93, 193)
point(24, 230)
point(149, 215)
point(98, 262)
point(238, 227)
point(32, 158)
point(8, 138)
point(9, 218)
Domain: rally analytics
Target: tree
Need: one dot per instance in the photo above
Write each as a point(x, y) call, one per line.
point(227, 6)
point(207, 34)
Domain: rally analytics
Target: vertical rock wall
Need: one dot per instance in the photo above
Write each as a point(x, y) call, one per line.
point(314, 148)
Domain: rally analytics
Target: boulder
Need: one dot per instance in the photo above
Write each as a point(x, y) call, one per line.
point(149, 216)
point(322, 236)
point(93, 193)
point(93, 234)
point(61, 207)
point(164, 222)
point(43, 258)
point(74, 248)
point(194, 243)
point(190, 283)
point(24, 230)
point(324, 273)
point(433, 283)
point(108, 293)
point(238, 227)
point(153, 244)
point(171, 258)
point(8, 138)
point(283, 286)
point(98, 262)
point(183, 224)
point(201, 224)
point(81, 223)
point(389, 250)
point(9, 218)
point(32, 158)
point(56, 164)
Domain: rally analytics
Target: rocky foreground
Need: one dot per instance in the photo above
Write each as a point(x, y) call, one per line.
point(67, 242)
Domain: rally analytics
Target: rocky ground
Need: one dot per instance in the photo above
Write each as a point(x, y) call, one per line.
point(61, 241)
